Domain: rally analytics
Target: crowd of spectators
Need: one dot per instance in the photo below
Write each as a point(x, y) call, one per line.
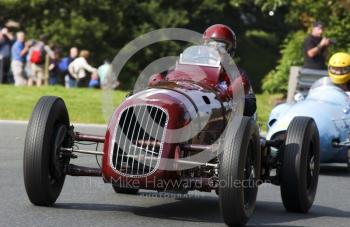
point(36, 62)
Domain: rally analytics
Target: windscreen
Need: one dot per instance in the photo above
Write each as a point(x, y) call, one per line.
point(324, 90)
point(322, 82)
point(200, 55)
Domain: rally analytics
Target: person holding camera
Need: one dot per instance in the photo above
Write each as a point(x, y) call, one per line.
point(316, 48)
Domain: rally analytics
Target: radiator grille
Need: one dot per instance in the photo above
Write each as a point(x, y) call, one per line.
point(139, 138)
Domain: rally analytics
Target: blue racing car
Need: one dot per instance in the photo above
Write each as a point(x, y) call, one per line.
point(329, 106)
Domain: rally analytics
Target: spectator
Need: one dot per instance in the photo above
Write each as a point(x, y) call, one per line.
point(6, 40)
point(37, 58)
point(94, 81)
point(79, 67)
point(315, 48)
point(18, 52)
point(103, 72)
point(28, 65)
point(54, 68)
point(69, 80)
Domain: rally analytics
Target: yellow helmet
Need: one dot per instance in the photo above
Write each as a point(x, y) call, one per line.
point(339, 68)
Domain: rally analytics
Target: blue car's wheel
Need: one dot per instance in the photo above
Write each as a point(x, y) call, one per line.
point(300, 165)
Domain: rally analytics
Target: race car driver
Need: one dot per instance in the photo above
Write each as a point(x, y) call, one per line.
point(339, 70)
point(222, 37)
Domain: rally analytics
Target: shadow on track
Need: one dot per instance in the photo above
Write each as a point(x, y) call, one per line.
point(206, 210)
point(337, 170)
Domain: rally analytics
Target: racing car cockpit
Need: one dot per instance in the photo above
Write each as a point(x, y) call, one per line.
point(201, 64)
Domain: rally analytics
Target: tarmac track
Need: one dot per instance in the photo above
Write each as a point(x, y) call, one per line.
point(87, 201)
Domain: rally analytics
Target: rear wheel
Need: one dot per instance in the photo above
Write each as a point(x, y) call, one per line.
point(300, 165)
point(43, 162)
point(239, 171)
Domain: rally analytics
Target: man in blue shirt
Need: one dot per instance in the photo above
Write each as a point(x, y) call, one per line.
point(63, 66)
point(18, 51)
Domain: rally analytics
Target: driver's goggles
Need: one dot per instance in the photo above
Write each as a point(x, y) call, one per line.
point(221, 46)
point(339, 70)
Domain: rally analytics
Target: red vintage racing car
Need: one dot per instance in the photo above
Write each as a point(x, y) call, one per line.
point(145, 147)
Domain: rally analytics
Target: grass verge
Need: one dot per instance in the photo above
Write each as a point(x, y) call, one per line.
point(84, 105)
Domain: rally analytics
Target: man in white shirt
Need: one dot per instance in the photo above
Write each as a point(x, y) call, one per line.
point(79, 68)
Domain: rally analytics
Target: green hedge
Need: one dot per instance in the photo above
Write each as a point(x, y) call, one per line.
point(276, 81)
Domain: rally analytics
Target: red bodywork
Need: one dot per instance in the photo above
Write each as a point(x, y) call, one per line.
point(182, 90)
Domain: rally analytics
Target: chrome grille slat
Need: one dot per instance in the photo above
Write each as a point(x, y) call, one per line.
point(150, 135)
point(132, 136)
point(124, 142)
point(156, 136)
point(120, 136)
point(138, 134)
point(139, 139)
point(143, 138)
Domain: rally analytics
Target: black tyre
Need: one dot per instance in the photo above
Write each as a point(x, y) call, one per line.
point(300, 165)
point(131, 191)
point(239, 171)
point(42, 163)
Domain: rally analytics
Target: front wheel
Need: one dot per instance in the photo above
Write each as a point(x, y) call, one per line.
point(300, 165)
point(239, 172)
point(43, 162)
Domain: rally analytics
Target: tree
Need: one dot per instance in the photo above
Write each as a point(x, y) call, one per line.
point(335, 15)
point(105, 26)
